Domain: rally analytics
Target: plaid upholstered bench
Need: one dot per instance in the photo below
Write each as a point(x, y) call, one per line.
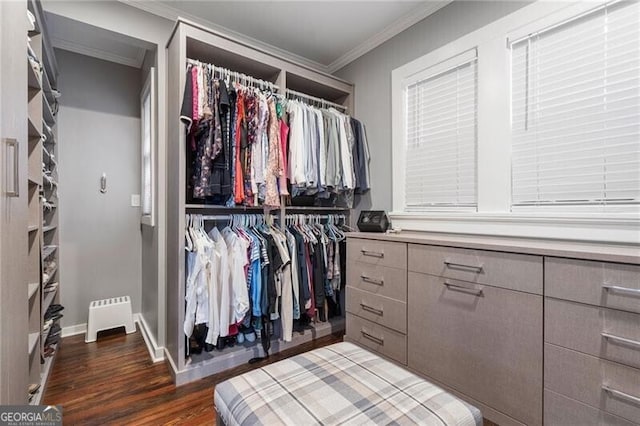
point(337, 384)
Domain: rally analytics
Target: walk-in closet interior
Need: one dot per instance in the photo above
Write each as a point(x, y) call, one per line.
point(312, 212)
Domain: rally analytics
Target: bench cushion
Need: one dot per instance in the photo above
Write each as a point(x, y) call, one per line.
point(337, 384)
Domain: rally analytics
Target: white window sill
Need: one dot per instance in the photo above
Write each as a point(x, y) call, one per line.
point(610, 228)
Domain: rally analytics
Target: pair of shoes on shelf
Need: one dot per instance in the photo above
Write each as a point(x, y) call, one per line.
point(49, 351)
point(223, 342)
point(54, 312)
point(52, 340)
point(246, 333)
point(53, 309)
point(51, 287)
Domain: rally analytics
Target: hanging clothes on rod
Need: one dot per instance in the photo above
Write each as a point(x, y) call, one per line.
point(248, 279)
point(328, 150)
point(248, 145)
point(233, 137)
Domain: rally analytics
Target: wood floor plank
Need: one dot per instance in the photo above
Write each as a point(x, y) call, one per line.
point(113, 381)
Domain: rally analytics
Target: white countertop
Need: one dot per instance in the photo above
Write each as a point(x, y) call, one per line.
point(622, 253)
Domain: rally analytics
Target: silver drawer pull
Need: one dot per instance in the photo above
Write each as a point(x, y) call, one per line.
point(371, 280)
point(633, 291)
point(371, 309)
point(454, 265)
point(15, 191)
point(621, 339)
point(378, 340)
point(621, 395)
point(461, 289)
point(372, 253)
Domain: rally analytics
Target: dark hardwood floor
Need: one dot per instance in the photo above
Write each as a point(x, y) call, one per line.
point(113, 381)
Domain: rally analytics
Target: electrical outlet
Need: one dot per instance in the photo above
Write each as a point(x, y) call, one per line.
point(135, 200)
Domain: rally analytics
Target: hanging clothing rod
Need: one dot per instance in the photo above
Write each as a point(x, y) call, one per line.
point(236, 75)
point(313, 98)
point(219, 217)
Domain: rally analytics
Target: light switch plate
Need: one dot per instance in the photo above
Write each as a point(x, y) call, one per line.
point(135, 200)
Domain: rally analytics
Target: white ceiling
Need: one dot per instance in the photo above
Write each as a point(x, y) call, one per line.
point(325, 35)
point(323, 32)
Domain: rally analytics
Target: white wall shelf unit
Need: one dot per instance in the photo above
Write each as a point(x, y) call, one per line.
point(192, 41)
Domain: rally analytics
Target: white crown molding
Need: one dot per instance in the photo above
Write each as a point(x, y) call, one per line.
point(171, 13)
point(82, 49)
point(413, 17)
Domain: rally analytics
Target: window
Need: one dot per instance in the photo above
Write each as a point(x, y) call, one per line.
point(440, 135)
point(576, 111)
point(548, 147)
point(147, 103)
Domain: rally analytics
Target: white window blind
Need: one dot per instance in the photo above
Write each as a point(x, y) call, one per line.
point(576, 111)
point(440, 129)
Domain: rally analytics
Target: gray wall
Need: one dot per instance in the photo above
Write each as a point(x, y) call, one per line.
point(98, 131)
point(371, 75)
point(154, 31)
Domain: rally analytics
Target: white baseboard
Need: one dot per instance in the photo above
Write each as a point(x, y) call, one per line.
point(156, 352)
point(72, 330)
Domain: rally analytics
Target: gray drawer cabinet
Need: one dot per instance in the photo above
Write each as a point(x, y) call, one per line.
point(377, 296)
point(592, 342)
point(529, 335)
point(483, 341)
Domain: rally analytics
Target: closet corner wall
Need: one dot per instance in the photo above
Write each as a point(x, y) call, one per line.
point(192, 41)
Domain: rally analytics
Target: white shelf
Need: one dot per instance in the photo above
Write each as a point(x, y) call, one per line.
point(46, 88)
point(48, 251)
point(45, 283)
point(206, 364)
point(44, 376)
point(34, 82)
point(32, 228)
point(50, 137)
point(48, 300)
point(47, 115)
point(33, 289)
point(33, 341)
point(49, 228)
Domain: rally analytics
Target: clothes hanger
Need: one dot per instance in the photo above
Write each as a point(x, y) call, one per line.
point(189, 243)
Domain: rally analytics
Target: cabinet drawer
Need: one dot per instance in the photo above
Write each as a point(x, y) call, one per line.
point(380, 339)
point(388, 282)
point(383, 253)
point(485, 342)
point(585, 378)
point(560, 410)
point(507, 270)
point(382, 310)
point(601, 332)
point(590, 282)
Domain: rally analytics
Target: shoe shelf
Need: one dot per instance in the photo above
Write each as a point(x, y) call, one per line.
point(48, 228)
point(44, 278)
point(48, 299)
